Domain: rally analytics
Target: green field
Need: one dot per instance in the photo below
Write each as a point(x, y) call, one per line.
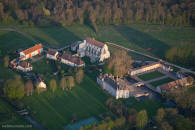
point(136, 36)
point(162, 81)
point(150, 75)
point(55, 110)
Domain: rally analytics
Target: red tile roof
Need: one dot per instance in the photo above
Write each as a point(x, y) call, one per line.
point(94, 42)
point(32, 49)
point(179, 82)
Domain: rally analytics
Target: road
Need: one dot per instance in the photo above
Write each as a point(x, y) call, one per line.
point(142, 54)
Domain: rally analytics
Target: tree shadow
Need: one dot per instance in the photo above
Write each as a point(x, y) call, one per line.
point(143, 40)
point(59, 36)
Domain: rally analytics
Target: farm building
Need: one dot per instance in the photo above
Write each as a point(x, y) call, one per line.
point(97, 51)
point(52, 54)
point(149, 67)
point(175, 84)
point(30, 52)
point(40, 83)
point(118, 88)
point(24, 66)
point(70, 60)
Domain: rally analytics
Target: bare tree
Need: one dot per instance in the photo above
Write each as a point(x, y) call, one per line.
point(28, 88)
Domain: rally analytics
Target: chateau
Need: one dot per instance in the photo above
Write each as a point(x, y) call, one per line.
point(118, 87)
point(97, 51)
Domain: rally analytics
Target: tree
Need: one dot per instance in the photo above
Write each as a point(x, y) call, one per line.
point(120, 122)
point(71, 82)
point(6, 61)
point(120, 63)
point(141, 119)
point(28, 88)
point(79, 76)
point(53, 85)
point(14, 89)
point(63, 83)
point(160, 115)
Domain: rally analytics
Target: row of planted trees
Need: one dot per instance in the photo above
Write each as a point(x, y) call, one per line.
point(67, 82)
point(16, 88)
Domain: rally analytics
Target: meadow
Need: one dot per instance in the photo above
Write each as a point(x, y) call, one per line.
point(55, 110)
point(136, 36)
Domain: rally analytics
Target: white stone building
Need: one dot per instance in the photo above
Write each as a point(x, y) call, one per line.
point(52, 54)
point(40, 83)
point(149, 67)
point(116, 87)
point(70, 60)
point(97, 51)
point(30, 52)
point(24, 66)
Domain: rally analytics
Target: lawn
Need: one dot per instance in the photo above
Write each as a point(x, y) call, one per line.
point(150, 75)
point(9, 117)
point(160, 82)
point(44, 66)
point(55, 110)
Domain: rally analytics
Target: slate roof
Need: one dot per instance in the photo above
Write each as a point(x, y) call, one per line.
point(51, 52)
point(73, 59)
point(116, 84)
point(24, 64)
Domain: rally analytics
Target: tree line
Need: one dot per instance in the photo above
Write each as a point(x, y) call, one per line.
point(16, 88)
point(97, 12)
point(129, 118)
point(183, 55)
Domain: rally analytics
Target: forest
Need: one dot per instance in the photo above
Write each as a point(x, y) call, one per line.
point(97, 12)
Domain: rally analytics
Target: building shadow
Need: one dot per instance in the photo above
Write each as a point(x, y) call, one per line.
point(143, 40)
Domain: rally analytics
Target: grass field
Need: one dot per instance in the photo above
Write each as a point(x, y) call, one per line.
point(136, 36)
point(150, 75)
point(160, 82)
point(55, 110)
